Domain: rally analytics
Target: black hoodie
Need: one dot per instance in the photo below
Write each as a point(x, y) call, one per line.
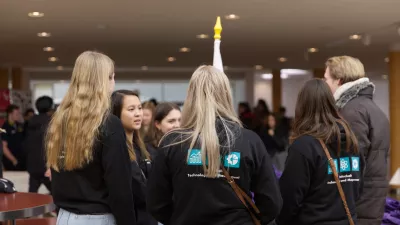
point(34, 143)
point(309, 191)
point(179, 194)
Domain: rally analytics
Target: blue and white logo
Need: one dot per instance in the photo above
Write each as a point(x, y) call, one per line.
point(355, 163)
point(329, 166)
point(195, 158)
point(345, 164)
point(232, 160)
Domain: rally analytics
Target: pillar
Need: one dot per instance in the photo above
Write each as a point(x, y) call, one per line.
point(19, 79)
point(276, 89)
point(319, 73)
point(394, 103)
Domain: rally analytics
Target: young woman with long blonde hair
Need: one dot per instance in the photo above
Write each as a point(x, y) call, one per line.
point(87, 152)
point(187, 186)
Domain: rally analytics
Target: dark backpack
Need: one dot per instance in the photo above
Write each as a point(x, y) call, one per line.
point(6, 186)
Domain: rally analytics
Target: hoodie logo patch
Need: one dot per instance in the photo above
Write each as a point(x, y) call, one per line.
point(355, 163)
point(232, 160)
point(195, 158)
point(345, 164)
point(330, 169)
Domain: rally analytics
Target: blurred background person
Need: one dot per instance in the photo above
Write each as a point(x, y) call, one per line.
point(148, 112)
point(14, 156)
point(245, 115)
point(34, 144)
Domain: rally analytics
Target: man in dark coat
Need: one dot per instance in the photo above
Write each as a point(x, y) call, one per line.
point(353, 93)
point(34, 144)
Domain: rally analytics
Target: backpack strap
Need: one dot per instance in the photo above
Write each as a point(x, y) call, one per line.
point(339, 186)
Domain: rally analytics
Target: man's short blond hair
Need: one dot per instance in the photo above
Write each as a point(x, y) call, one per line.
point(345, 68)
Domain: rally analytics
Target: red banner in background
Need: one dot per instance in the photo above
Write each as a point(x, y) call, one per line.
point(4, 103)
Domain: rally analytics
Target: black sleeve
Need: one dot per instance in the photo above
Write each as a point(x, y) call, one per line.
point(118, 174)
point(294, 183)
point(159, 187)
point(265, 187)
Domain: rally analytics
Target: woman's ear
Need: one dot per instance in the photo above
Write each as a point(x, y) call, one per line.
point(158, 125)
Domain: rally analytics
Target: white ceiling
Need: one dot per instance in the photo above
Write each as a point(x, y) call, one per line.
point(146, 32)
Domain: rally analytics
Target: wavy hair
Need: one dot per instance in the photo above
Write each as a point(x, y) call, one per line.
point(75, 125)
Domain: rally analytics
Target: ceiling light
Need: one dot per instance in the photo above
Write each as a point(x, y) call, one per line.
point(313, 50)
point(171, 59)
point(387, 59)
point(282, 59)
point(144, 68)
point(44, 34)
point(48, 49)
point(36, 14)
point(355, 37)
point(268, 76)
point(184, 49)
point(53, 59)
point(385, 77)
point(258, 67)
point(232, 17)
point(60, 68)
point(101, 26)
point(202, 36)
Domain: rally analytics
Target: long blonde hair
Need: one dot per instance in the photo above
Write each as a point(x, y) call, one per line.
point(75, 125)
point(209, 98)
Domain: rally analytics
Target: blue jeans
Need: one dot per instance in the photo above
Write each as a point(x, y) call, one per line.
point(68, 218)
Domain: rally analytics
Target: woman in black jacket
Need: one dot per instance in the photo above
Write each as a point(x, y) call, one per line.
point(187, 186)
point(126, 105)
point(87, 152)
point(309, 191)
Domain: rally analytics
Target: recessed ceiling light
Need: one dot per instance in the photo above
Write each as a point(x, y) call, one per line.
point(282, 59)
point(44, 34)
point(53, 59)
point(184, 49)
point(387, 59)
point(60, 68)
point(202, 36)
point(258, 67)
point(144, 68)
point(355, 37)
point(232, 17)
point(48, 49)
point(171, 59)
point(35, 14)
point(313, 50)
point(101, 26)
point(385, 77)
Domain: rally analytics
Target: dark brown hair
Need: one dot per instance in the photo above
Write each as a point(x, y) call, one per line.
point(316, 115)
point(117, 100)
point(162, 110)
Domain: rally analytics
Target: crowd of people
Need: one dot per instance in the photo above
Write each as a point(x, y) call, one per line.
point(122, 161)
